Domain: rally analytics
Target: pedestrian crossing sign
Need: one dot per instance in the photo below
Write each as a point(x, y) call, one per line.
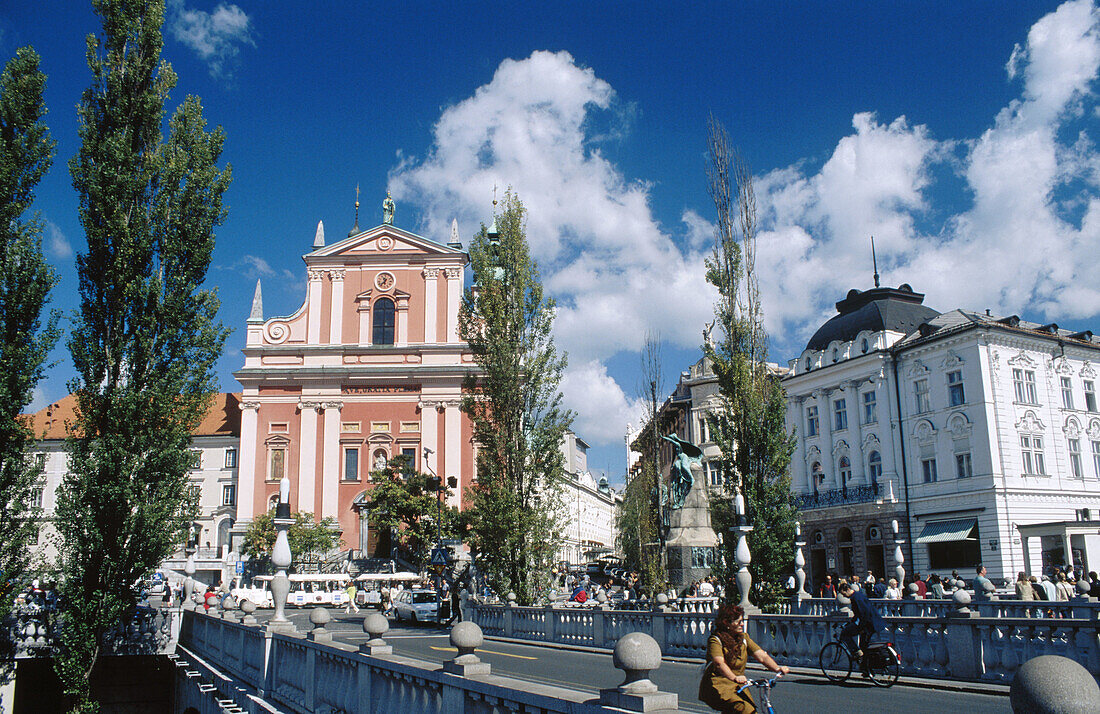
point(439, 556)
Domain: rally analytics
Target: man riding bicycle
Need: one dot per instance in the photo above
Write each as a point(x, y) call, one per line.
point(866, 624)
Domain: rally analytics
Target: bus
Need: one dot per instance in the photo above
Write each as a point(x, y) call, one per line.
point(329, 590)
point(370, 585)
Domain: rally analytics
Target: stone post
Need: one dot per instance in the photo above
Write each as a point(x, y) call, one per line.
point(319, 617)
point(189, 583)
point(800, 593)
point(466, 637)
point(281, 558)
point(375, 625)
point(637, 654)
point(962, 638)
point(1050, 684)
point(229, 604)
point(741, 554)
point(899, 557)
point(248, 607)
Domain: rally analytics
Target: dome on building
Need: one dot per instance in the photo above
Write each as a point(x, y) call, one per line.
point(896, 309)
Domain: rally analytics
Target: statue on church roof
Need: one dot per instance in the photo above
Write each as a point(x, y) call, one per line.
point(387, 210)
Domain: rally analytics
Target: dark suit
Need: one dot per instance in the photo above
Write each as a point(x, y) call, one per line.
point(866, 623)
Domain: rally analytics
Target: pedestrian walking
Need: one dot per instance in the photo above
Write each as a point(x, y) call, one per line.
point(352, 591)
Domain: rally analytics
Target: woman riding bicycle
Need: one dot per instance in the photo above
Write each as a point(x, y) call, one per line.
point(728, 649)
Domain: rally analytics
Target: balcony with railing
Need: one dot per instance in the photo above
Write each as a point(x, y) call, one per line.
point(844, 496)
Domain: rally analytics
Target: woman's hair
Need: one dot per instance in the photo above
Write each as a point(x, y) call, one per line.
point(723, 626)
point(893, 582)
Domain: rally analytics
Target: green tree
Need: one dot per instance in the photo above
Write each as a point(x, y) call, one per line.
point(145, 338)
point(404, 505)
point(515, 406)
point(306, 535)
point(748, 424)
point(26, 152)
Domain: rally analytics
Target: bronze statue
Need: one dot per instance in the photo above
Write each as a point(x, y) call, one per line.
point(679, 474)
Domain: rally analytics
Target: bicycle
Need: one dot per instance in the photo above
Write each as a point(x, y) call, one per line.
point(882, 664)
point(763, 688)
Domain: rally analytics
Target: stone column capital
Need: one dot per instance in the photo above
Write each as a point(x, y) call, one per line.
point(453, 273)
point(337, 274)
point(431, 273)
point(249, 405)
point(316, 275)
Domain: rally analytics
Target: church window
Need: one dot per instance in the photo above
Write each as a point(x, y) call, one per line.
point(351, 464)
point(383, 322)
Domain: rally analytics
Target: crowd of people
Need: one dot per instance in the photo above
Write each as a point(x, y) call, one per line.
point(1059, 585)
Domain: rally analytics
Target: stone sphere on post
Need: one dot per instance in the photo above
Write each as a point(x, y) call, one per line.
point(1051, 684)
point(466, 637)
point(637, 654)
point(375, 625)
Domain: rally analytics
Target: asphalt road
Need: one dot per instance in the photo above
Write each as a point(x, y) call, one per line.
point(591, 671)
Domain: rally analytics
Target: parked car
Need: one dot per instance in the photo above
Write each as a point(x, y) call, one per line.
point(417, 606)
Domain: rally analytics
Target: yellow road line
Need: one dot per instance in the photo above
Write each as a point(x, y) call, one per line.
point(505, 654)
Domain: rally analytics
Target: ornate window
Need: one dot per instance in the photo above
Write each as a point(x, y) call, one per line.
point(963, 465)
point(229, 494)
point(1096, 456)
point(870, 407)
point(1075, 458)
point(874, 466)
point(955, 394)
point(928, 469)
point(840, 415)
point(1031, 449)
point(811, 421)
point(845, 468)
point(920, 390)
point(1023, 380)
point(1090, 395)
point(1067, 393)
point(817, 475)
point(383, 321)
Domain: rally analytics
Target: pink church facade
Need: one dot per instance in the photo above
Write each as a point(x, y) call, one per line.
point(370, 367)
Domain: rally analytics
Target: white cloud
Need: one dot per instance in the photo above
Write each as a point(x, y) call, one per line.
point(38, 401)
point(56, 242)
point(613, 270)
point(1024, 240)
point(1014, 248)
point(214, 36)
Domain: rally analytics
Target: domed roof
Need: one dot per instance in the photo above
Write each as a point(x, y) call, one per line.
point(896, 309)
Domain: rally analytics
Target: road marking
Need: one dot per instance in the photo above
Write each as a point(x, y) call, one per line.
point(505, 654)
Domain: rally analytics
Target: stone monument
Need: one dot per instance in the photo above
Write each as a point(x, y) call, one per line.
point(691, 544)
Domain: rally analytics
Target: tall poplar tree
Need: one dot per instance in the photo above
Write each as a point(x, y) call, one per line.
point(749, 424)
point(26, 152)
point(145, 338)
point(515, 406)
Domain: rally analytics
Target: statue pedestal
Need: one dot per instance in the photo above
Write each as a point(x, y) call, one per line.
point(689, 529)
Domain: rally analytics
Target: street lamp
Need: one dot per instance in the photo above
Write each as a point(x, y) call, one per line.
point(436, 483)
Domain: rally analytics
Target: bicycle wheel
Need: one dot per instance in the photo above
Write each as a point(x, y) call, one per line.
point(883, 666)
point(836, 663)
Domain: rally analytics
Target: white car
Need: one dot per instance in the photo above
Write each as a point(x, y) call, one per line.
point(417, 606)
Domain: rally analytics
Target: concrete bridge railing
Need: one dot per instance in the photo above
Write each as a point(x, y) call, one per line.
point(238, 666)
point(942, 639)
point(148, 630)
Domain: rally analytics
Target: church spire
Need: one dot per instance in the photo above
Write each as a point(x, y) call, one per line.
point(319, 236)
point(257, 314)
point(355, 229)
point(874, 260)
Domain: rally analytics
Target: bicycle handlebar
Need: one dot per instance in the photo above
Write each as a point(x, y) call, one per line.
point(766, 683)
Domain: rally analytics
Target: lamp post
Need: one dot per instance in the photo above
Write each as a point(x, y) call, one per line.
point(281, 558)
point(437, 484)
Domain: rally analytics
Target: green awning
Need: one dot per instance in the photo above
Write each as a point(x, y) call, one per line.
point(948, 531)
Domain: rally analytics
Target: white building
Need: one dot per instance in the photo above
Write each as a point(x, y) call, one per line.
point(590, 507)
point(962, 426)
point(215, 447)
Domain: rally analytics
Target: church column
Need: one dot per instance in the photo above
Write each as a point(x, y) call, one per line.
point(431, 304)
point(452, 432)
point(246, 473)
point(401, 317)
point(336, 314)
point(330, 474)
point(364, 321)
point(454, 297)
point(429, 434)
point(859, 477)
point(313, 331)
point(307, 457)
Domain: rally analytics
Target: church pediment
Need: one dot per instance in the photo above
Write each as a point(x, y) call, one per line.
point(381, 241)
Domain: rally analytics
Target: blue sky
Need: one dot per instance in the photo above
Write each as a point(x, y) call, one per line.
point(960, 135)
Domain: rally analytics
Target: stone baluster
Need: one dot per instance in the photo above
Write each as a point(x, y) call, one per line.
point(637, 654)
point(189, 582)
point(963, 639)
point(800, 593)
point(899, 557)
point(281, 558)
point(741, 554)
point(319, 617)
point(375, 625)
point(466, 637)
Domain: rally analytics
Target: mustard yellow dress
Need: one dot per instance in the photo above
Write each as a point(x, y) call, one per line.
point(720, 693)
